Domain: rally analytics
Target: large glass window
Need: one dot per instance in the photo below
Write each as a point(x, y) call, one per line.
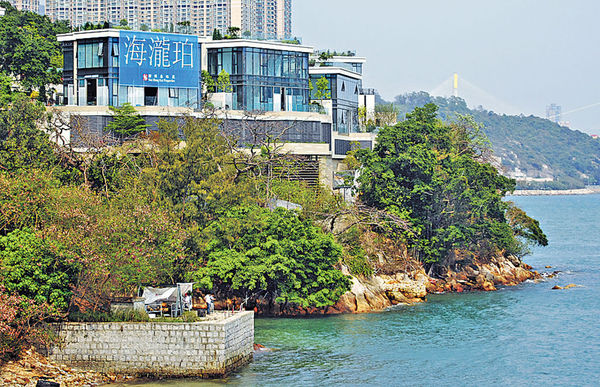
point(68, 60)
point(255, 62)
point(257, 72)
point(227, 61)
point(278, 64)
point(89, 55)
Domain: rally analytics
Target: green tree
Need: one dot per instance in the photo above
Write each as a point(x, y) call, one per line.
point(22, 144)
point(224, 82)
point(217, 34)
point(208, 83)
point(144, 27)
point(36, 269)
point(28, 48)
point(433, 176)
point(233, 32)
point(253, 252)
point(126, 121)
point(184, 26)
point(537, 146)
point(386, 114)
point(322, 89)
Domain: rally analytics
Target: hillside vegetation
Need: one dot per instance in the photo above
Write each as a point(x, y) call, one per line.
point(186, 204)
point(537, 147)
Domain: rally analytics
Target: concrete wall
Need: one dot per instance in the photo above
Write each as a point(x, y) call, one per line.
point(211, 348)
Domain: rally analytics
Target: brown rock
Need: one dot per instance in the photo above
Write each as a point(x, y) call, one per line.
point(397, 297)
point(461, 277)
point(548, 267)
point(471, 273)
point(500, 280)
point(346, 304)
point(432, 286)
point(556, 287)
point(488, 286)
point(523, 275)
point(412, 289)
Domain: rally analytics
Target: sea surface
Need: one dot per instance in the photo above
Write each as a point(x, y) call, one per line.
point(524, 335)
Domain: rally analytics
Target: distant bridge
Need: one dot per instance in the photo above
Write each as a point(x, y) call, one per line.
point(476, 96)
point(473, 95)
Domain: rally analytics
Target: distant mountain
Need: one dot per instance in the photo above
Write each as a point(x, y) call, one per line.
point(537, 152)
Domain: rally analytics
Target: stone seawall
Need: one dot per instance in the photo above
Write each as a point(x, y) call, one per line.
point(210, 348)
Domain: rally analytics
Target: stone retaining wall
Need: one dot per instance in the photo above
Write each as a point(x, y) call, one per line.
point(210, 348)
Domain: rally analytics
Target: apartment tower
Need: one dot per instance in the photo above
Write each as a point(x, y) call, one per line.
point(259, 19)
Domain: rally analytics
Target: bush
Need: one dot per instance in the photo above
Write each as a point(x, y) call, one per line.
point(120, 316)
point(36, 269)
point(253, 252)
point(23, 323)
point(355, 257)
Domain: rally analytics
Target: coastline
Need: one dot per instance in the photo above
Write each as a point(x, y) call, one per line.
point(556, 192)
point(368, 295)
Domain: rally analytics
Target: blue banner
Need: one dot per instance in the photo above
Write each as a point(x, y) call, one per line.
point(158, 60)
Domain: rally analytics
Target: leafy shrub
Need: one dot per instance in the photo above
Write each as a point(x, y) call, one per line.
point(436, 177)
point(355, 257)
point(36, 269)
point(118, 316)
point(252, 252)
point(22, 323)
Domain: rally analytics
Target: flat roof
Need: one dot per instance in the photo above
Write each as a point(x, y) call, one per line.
point(266, 44)
point(109, 32)
point(324, 70)
point(343, 59)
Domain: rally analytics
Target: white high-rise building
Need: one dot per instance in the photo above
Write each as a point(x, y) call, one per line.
point(27, 5)
point(262, 19)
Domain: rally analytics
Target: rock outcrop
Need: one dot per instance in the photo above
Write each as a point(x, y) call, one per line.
point(382, 291)
point(32, 367)
point(412, 285)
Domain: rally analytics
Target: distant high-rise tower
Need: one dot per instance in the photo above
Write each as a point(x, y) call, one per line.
point(262, 19)
point(27, 5)
point(554, 112)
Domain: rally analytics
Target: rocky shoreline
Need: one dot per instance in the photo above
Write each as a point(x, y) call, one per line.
point(33, 366)
point(555, 192)
point(372, 294)
point(382, 291)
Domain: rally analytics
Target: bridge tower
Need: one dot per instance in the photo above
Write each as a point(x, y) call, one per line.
point(455, 84)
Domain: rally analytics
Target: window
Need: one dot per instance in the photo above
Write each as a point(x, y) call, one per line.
point(343, 86)
point(115, 49)
point(356, 90)
point(89, 55)
point(173, 92)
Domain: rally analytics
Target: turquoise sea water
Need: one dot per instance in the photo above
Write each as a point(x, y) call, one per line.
point(526, 335)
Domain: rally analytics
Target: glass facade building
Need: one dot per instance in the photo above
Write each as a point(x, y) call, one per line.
point(111, 68)
point(344, 90)
point(269, 78)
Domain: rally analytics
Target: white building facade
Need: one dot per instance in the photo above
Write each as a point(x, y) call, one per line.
point(262, 19)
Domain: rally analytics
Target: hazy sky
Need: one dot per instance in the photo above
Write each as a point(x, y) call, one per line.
point(525, 53)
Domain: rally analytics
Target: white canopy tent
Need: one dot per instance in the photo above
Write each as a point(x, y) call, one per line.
point(172, 296)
